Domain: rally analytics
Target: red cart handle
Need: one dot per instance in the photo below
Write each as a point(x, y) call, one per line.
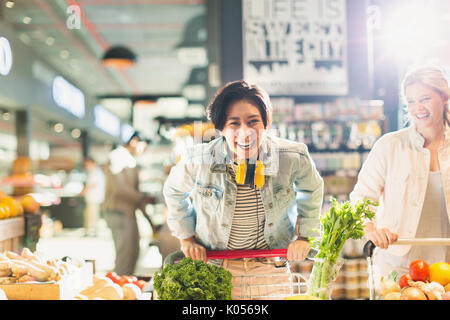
point(239, 254)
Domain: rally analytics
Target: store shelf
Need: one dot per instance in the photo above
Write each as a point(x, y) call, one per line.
point(12, 231)
point(12, 228)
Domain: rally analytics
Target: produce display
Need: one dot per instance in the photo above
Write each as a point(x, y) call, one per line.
point(113, 287)
point(193, 280)
point(423, 282)
point(3, 295)
point(11, 207)
point(31, 267)
point(126, 279)
point(342, 222)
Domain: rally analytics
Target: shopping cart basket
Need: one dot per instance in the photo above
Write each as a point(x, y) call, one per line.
point(256, 286)
point(370, 247)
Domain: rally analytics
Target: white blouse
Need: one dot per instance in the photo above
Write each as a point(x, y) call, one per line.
point(433, 223)
point(396, 173)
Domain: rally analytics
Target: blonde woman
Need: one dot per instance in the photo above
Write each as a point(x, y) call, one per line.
point(408, 172)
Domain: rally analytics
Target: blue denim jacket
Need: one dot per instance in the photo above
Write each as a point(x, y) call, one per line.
point(201, 196)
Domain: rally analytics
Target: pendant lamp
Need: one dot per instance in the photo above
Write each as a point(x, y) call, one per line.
point(119, 57)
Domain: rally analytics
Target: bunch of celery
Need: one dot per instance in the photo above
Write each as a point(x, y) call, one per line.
point(343, 221)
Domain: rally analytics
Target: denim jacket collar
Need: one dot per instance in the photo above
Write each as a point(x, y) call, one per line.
point(220, 156)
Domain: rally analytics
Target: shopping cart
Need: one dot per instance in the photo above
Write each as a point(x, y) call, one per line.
point(256, 286)
point(370, 247)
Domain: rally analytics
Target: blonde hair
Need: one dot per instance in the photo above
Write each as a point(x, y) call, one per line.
point(433, 77)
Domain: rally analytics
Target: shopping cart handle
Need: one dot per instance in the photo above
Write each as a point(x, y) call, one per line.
point(368, 249)
point(240, 254)
point(370, 246)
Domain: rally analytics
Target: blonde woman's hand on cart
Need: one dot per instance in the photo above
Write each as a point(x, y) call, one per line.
point(192, 249)
point(382, 237)
point(298, 250)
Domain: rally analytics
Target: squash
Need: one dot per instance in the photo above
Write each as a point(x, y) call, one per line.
point(109, 292)
point(131, 292)
point(98, 283)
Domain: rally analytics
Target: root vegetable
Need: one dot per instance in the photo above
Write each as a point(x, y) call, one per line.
point(387, 286)
point(412, 293)
point(27, 278)
point(5, 273)
point(20, 268)
point(447, 287)
point(131, 291)
point(8, 280)
point(14, 256)
point(5, 265)
point(98, 283)
point(433, 290)
point(101, 281)
point(27, 254)
point(392, 296)
point(51, 271)
point(110, 292)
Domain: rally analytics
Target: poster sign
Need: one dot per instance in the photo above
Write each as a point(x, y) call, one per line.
point(295, 47)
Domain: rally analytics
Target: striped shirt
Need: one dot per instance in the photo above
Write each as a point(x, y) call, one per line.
point(247, 229)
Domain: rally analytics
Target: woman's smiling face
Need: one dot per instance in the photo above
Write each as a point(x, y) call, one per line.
point(425, 105)
point(243, 129)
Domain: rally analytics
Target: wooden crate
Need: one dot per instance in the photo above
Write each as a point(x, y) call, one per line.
point(12, 231)
point(64, 289)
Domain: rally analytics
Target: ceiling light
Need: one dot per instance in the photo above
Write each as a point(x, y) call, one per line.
point(119, 57)
point(64, 54)
point(26, 20)
point(9, 4)
point(50, 41)
point(58, 127)
point(76, 133)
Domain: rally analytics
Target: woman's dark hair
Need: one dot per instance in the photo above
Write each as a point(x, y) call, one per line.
point(237, 91)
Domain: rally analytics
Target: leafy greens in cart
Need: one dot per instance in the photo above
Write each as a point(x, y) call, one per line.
point(193, 280)
point(342, 222)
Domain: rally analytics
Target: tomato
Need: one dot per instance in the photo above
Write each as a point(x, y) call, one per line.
point(141, 284)
point(403, 281)
point(113, 276)
point(124, 280)
point(419, 270)
point(133, 279)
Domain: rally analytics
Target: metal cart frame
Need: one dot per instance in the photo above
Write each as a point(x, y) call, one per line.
point(296, 283)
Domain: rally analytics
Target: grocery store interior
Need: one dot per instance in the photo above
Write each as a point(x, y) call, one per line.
point(332, 68)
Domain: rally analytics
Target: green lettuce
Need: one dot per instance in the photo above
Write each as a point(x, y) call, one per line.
point(193, 280)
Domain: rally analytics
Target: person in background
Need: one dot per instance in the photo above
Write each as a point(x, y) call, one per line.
point(208, 209)
point(94, 194)
point(122, 198)
point(408, 172)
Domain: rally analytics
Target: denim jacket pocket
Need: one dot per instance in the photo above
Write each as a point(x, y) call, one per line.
point(209, 196)
point(210, 191)
point(283, 197)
